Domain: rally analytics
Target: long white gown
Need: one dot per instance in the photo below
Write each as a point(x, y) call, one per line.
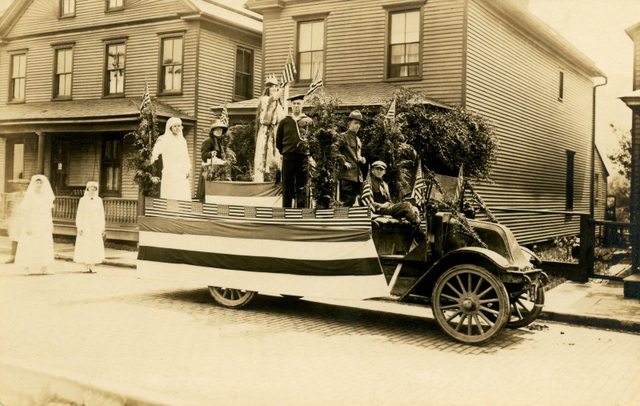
point(176, 164)
point(90, 224)
point(266, 157)
point(35, 237)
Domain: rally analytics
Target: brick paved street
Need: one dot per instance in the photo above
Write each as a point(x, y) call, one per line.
point(165, 344)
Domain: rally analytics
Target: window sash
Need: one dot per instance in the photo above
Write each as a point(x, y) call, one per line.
point(115, 70)
point(310, 48)
point(115, 4)
point(18, 76)
point(244, 73)
point(172, 64)
point(67, 7)
point(64, 72)
point(404, 44)
point(111, 178)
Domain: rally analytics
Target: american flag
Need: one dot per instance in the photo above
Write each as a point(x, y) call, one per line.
point(460, 185)
point(391, 114)
point(317, 82)
point(366, 197)
point(146, 98)
point(419, 185)
point(224, 116)
point(289, 70)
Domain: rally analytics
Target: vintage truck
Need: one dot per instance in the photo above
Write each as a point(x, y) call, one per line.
point(345, 252)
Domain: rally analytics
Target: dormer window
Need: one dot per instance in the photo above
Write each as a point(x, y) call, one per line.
point(113, 5)
point(67, 8)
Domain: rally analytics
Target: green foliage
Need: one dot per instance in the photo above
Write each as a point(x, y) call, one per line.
point(242, 141)
point(622, 157)
point(323, 144)
point(446, 139)
point(143, 139)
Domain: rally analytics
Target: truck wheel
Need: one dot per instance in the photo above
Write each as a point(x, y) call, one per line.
point(470, 304)
point(523, 310)
point(233, 298)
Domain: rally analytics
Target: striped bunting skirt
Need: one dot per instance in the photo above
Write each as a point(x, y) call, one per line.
point(302, 252)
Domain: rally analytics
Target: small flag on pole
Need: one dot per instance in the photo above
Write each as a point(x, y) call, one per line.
point(419, 185)
point(317, 82)
point(391, 114)
point(289, 70)
point(366, 197)
point(146, 98)
point(224, 116)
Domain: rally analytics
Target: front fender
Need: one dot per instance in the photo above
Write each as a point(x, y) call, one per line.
point(490, 260)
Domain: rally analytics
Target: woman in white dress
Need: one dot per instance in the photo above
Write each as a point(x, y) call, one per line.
point(270, 112)
point(176, 164)
point(35, 240)
point(90, 225)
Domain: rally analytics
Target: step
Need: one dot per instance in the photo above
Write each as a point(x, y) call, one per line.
point(632, 286)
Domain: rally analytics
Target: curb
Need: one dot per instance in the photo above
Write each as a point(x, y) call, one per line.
point(24, 385)
point(67, 258)
point(591, 321)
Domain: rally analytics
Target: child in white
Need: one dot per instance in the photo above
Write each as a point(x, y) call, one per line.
point(90, 226)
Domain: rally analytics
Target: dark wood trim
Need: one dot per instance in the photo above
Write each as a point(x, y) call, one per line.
point(235, 97)
point(310, 17)
point(404, 5)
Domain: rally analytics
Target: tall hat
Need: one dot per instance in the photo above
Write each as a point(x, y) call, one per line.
point(217, 123)
point(271, 80)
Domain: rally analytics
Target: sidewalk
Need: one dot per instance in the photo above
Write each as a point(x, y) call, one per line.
point(598, 304)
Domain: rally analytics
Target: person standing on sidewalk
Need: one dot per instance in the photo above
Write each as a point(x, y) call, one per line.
point(35, 243)
point(90, 225)
point(350, 158)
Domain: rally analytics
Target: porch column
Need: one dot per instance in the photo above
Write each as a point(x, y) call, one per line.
point(40, 161)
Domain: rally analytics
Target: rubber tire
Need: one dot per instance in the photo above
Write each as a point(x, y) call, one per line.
point(231, 298)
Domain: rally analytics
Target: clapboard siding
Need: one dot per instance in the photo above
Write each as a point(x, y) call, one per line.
point(3, 153)
point(42, 16)
point(600, 191)
point(141, 63)
point(216, 79)
point(514, 82)
point(355, 43)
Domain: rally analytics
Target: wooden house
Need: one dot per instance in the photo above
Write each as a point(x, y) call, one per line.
point(492, 57)
point(72, 73)
point(633, 101)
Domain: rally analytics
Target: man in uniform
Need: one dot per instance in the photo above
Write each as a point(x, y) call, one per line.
point(292, 142)
point(382, 198)
point(350, 158)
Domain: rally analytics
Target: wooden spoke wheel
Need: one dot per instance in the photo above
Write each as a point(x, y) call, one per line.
point(233, 298)
point(524, 310)
point(470, 304)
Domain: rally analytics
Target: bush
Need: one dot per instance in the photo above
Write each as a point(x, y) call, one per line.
point(242, 141)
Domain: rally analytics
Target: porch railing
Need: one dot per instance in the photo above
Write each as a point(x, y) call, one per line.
point(120, 211)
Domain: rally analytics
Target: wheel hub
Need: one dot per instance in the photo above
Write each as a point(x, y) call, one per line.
point(468, 305)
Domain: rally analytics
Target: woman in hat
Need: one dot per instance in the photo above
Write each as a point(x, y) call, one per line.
point(270, 112)
point(176, 165)
point(212, 151)
point(35, 242)
point(90, 225)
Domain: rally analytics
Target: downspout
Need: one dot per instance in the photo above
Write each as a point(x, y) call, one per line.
point(593, 151)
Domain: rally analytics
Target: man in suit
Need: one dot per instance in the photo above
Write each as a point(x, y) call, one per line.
point(293, 144)
point(350, 158)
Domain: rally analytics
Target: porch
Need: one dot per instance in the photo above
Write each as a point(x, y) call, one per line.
point(120, 215)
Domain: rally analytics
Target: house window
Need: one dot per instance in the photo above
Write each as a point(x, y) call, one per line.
point(111, 169)
point(63, 73)
point(67, 8)
point(404, 44)
point(569, 185)
point(244, 74)
point(310, 48)
point(561, 85)
point(115, 69)
point(18, 161)
point(18, 77)
point(115, 5)
point(596, 187)
point(171, 69)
